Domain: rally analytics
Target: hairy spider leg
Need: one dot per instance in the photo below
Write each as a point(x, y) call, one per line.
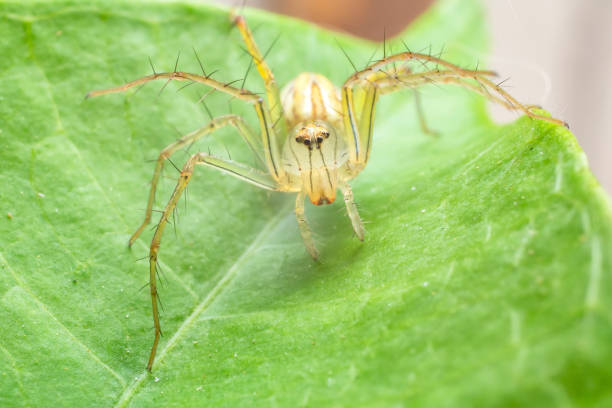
point(238, 170)
point(268, 134)
point(358, 107)
point(421, 115)
point(251, 140)
point(275, 180)
point(272, 91)
point(488, 88)
point(362, 89)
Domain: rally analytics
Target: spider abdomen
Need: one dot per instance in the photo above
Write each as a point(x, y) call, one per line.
point(310, 97)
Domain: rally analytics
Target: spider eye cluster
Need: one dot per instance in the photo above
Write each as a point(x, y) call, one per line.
point(312, 136)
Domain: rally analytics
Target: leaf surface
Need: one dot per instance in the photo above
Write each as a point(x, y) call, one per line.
point(484, 279)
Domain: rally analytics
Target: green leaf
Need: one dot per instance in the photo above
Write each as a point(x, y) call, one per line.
point(484, 279)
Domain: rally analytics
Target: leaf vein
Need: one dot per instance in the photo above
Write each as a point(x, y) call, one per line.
point(44, 307)
point(231, 273)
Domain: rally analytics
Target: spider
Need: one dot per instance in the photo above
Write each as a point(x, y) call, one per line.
point(314, 137)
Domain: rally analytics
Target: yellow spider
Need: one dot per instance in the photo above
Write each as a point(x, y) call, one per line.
point(314, 138)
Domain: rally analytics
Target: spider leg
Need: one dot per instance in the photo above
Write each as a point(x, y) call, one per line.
point(471, 79)
point(272, 91)
point(243, 172)
point(421, 115)
point(268, 134)
point(420, 61)
point(351, 208)
point(303, 225)
point(358, 108)
point(187, 140)
point(361, 91)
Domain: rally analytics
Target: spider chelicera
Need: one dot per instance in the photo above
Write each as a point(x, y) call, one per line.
point(314, 138)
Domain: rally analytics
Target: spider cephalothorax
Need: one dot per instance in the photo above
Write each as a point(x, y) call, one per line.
point(315, 155)
point(314, 138)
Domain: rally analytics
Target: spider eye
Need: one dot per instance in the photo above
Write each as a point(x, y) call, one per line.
point(307, 142)
point(319, 139)
point(326, 134)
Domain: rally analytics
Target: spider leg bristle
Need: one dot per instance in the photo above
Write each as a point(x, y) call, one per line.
point(199, 61)
point(164, 87)
point(346, 55)
point(188, 148)
point(212, 73)
point(207, 110)
point(272, 44)
point(439, 56)
point(152, 67)
point(185, 86)
point(441, 51)
point(205, 95)
point(174, 220)
point(243, 49)
point(142, 259)
point(384, 42)
point(160, 273)
point(144, 286)
point(424, 64)
point(247, 73)
point(225, 85)
point(177, 60)
point(370, 59)
point(406, 46)
point(178, 132)
point(138, 88)
point(433, 82)
point(185, 199)
point(499, 84)
point(276, 121)
point(227, 151)
point(161, 306)
point(173, 165)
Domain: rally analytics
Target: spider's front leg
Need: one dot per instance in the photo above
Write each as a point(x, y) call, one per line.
point(361, 91)
point(238, 170)
point(272, 91)
point(270, 141)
